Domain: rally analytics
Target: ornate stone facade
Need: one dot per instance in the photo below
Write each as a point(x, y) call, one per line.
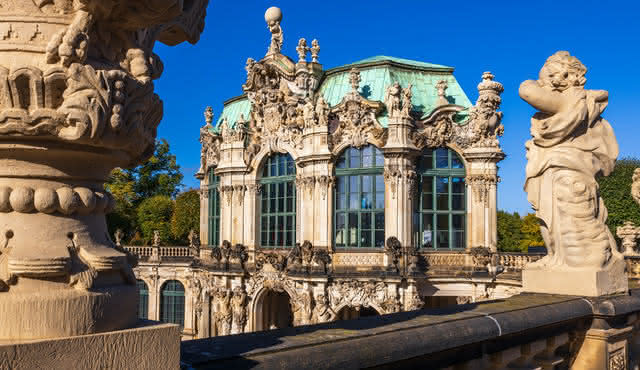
point(314, 116)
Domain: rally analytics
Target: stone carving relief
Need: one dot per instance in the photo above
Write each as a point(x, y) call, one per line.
point(322, 312)
point(483, 126)
point(398, 101)
point(239, 311)
point(302, 308)
point(326, 184)
point(355, 293)
point(571, 144)
point(223, 315)
point(393, 249)
point(355, 123)
point(481, 186)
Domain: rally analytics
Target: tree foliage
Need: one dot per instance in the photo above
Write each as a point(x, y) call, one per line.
point(186, 215)
point(154, 214)
point(615, 191)
point(158, 176)
point(516, 234)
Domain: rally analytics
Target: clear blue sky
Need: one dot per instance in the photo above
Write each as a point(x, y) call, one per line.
point(512, 39)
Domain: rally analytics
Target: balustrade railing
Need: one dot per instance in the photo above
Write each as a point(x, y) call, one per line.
point(166, 251)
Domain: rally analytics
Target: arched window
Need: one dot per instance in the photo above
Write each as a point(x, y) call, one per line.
point(278, 218)
point(172, 302)
point(214, 209)
point(359, 198)
point(439, 216)
point(143, 302)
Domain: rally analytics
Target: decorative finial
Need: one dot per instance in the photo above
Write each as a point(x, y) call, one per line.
point(442, 88)
point(488, 84)
point(315, 50)
point(273, 17)
point(354, 79)
point(208, 115)
point(302, 50)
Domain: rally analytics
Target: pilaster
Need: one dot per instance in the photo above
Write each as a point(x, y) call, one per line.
point(482, 179)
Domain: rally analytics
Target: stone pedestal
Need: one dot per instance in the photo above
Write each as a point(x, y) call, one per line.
point(148, 346)
point(604, 349)
point(578, 282)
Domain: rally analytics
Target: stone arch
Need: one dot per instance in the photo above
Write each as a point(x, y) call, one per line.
point(338, 149)
point(346, 306)
point(258, 161)
point(255, 309)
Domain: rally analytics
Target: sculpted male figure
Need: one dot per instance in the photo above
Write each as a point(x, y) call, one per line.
point(571, 144)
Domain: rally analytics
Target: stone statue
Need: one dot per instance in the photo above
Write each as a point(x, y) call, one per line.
point(238, 303)
point(302, 50)
point(571, 145)
point(273, 17)
point(308, 114)
point(156, 238)
point(118, 235)
point(322, 312)
point(322, 112)
point(392, 100)
point(315, 50)
point(224, 315)
point(442, 86)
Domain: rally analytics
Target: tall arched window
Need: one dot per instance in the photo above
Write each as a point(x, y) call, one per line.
point(214, 209)
point(439, 216)
point(172, 302)
point(359, 200)
point(143, 303)
point(278, 218)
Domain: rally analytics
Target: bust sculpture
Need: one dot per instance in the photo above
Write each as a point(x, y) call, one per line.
point(571, 145)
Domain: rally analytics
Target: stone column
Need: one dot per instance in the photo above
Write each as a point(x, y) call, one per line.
point(251, 217)
point(482, 179)
point(76, 95)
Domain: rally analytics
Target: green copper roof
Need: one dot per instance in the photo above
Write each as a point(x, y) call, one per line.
point(376, 74)
point(233, 108)
point(407, 62)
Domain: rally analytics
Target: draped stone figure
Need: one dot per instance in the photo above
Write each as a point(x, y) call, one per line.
point(571, 145)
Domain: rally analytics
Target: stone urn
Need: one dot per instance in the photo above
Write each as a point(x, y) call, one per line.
point(76, 101)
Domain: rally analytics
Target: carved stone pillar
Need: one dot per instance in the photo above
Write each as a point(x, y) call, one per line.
point(251, 217)
point(482, 208)
point(204, 214)
point(76, 95)
point(400, 180)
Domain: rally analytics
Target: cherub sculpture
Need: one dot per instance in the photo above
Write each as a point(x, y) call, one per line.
point(571, 144)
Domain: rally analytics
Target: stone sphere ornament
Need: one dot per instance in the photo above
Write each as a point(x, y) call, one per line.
point(273, 14)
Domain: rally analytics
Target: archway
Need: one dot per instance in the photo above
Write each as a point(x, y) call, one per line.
point(274, 311)
point(349, 313)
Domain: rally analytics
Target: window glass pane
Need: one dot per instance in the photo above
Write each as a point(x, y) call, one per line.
point(366, 201)
point(367, 160)
point(443, 222)
point(354, 183)
point(455, 161)
point(426, 239)
point(457, 185)
point(443, 202)
point(353, 229)
point(379, 239)
point(341, 201)
point(341, 184)
point(365, 220)
point(354, 158)
point(342, 162)
point(442, 184)
point(442, 158)
point(380, 200)
point(427, 184)
point(379, 157)
point(340, 229)
point(289, 204)
point(458, 239)
point(380, 220)
point(367, 185)
point(426, 161)
point(354, 201)
point(457, 202)
point(291, 167)
point(380, 183)
point(427, 201)
point(365, 238)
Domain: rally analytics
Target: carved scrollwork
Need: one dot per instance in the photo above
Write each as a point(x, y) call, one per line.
point(355, 119)
point(355, 293)
point(481, 185)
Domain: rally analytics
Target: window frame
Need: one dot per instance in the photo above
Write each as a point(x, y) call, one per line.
point(281, 184)
point(170, 309)
point(433, 173)
point(213, 220)
point(375, 173)
point(143, 300)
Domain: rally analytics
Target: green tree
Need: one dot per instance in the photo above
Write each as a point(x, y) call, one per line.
point(615, 190)
point(530, 231)
point(186, 215)
point(509, 232)
point(159, 175)
point(154, 214)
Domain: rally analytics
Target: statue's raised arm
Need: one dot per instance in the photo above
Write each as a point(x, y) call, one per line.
point(571, 144)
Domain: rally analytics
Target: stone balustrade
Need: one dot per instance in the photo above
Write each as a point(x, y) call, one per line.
point(168, 251)
point(527, 331)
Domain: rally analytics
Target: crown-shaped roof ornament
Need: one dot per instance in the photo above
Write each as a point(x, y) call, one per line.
point(273, 17)
point(489, 85)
